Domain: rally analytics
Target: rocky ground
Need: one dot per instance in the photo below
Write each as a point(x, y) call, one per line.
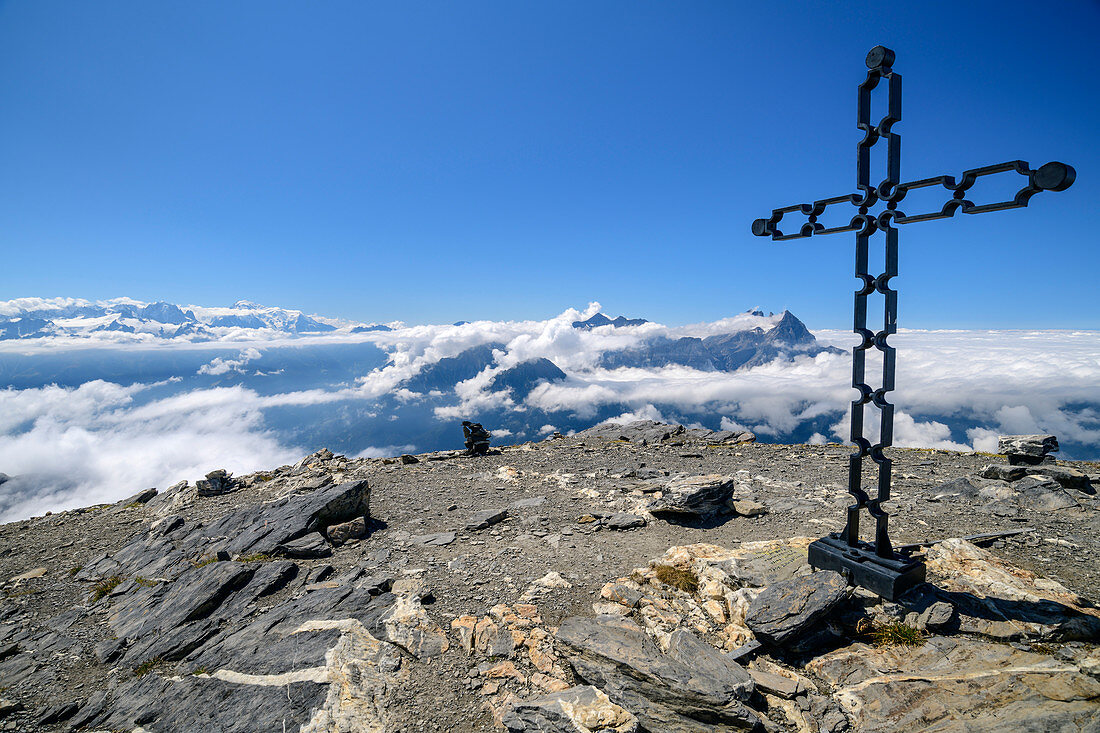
point(603, 582)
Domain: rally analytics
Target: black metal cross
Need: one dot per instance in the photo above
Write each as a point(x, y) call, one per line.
point(876, 565)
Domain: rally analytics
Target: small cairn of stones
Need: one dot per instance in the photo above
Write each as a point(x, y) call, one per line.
point(216, 482)
point(477, 438)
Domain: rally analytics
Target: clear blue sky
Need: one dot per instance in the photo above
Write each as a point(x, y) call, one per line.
point(430, 161)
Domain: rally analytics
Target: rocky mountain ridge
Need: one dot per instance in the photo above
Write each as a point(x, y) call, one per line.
point(605, 582)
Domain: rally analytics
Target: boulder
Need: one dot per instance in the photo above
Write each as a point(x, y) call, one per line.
point(692, 688)
point(1069, 478)
point(784, 610)
point(1026, 449)
point(622, 520)
point(1002, 472)
point(262, 529)
point(694, 498)
point(1042, 493)
point(338, 534)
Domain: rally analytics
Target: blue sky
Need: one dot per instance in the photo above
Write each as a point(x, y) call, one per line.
point(439, 161)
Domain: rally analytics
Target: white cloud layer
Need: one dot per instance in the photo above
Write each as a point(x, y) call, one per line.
point(96, 443)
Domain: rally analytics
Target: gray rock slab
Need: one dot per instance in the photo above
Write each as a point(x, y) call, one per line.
point(485, 519)
point(193, 703)
point(1069, 478)
point(312, 545)
point(622, 520)
point(1002, 472)
point(140, 497)
point(435, 538)
point(262, 529)
point(529, 503)
point(784, 610)
point(194, 595)
point(617, 656)
point(1042, 494)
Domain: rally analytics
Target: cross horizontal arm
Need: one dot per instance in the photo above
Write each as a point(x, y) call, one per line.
point(1052, 176)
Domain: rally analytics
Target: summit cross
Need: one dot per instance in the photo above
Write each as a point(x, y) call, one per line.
point(876, 565)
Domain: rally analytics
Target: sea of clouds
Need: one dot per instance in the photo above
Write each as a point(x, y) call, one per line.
point(100, 440)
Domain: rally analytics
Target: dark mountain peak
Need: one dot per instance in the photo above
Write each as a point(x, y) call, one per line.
point(525, 376)
point(790, 330)
point(362, 328)
point(601, 320)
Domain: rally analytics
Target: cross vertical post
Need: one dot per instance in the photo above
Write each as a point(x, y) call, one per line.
point(876, 565)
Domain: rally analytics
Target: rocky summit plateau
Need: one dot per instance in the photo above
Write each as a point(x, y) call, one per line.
point(640, 577)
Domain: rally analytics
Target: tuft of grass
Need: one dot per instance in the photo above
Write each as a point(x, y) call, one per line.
point(146, 667)
point(134, 505)
point(201, 670)
point(894, 634)
point(256, 557)
point(75, 569)
point(145, 582)
point(679, 578)
point(202, 562)
point(264, 477)
point(105, 586)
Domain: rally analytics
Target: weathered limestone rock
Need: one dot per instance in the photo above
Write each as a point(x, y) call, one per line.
point(582, 709)
point(785, 609)
point(955, 683)
point(338, 534)
point(749, 508)
point(408, 626)
point(694, 498)
point(999, 600)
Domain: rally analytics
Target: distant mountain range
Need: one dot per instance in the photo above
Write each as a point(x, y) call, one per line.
point(29, 318)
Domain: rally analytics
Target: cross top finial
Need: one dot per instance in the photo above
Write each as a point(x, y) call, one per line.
point(880, 57)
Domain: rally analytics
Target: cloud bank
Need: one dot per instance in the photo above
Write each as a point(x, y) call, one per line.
point(100, 441)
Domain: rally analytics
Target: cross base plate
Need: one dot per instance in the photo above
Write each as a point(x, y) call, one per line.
point(888, 577)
